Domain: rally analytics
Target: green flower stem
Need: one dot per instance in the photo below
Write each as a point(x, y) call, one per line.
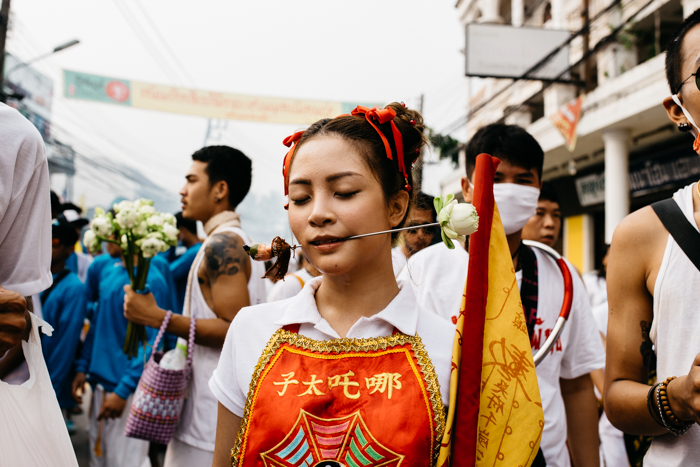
point(135, 333)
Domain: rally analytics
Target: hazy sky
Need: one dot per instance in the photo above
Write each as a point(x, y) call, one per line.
point(361, 50)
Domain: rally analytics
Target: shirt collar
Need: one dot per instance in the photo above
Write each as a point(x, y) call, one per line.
point(402, 311)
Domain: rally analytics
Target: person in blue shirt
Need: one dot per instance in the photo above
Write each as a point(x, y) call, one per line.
point(100, 264)
point(79, 261)
point(161, 264)
point(112, 376)
point(180, 268)
point(64, 306)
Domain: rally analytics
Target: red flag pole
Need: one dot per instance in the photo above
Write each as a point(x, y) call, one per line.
point(468, 398)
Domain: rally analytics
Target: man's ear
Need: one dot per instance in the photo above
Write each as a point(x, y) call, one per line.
point(467, 191)
point(675, 113)
point(398, 207)
point(221, 190)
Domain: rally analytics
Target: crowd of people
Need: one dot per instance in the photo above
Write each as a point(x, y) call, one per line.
point(278, 368)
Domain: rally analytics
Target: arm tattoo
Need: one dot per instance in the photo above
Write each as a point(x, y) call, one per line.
point(646, 347)
point(224, 256)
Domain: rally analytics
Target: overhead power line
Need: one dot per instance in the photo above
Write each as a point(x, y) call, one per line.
point(165, 43)
point(146, 42)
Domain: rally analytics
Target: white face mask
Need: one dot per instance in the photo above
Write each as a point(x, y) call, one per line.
point(516, 204)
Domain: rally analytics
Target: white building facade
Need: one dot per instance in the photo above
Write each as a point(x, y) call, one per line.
point(628, 154)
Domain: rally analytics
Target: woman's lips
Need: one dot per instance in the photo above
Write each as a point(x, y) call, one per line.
point(327, 245)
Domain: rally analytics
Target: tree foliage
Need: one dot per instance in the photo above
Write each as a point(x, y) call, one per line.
point(446, 146)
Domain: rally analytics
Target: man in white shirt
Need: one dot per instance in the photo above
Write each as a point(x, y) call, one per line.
point(438, 276)
point(223, 279)
point(25, 258)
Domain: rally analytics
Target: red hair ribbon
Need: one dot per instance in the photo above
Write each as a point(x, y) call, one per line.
point(288, 141)
point(383, 116)
point(371, 115)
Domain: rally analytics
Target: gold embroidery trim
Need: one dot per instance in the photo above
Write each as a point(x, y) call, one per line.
point(345, 346)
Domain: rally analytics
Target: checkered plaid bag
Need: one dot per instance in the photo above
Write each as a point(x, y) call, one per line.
point(157, 403)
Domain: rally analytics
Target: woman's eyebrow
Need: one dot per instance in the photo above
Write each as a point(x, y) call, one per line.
point(300, 181)
point(330, 178)
point(334, 177)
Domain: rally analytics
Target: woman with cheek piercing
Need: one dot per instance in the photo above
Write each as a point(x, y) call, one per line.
point(351, 371)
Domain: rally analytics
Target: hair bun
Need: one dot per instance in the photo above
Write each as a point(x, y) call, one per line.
point(410, 124)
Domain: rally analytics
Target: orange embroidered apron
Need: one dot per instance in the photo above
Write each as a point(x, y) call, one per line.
point(358, 402)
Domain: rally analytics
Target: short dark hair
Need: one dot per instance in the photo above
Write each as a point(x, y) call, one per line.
point(673, 52)
point(187, 224)
point(63, 231)
point(548, 193)
point(509, 143)
point(424, 202)
point(229, 165)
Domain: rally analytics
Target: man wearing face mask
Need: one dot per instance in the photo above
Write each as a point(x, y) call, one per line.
point(653, 276)
point(438, 276)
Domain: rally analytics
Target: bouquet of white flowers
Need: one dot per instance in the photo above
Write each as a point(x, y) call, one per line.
point(141, 232)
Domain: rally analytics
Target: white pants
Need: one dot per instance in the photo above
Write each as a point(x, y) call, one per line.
point(117, 449)
point(181, 454)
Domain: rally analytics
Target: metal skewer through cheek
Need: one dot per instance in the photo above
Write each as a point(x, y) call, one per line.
point(390, 231)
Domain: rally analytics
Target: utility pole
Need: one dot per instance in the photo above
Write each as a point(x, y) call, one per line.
point(4, 22)
point(587, 68)
point(418, 173)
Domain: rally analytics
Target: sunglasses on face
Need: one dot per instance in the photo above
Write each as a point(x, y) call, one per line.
point(697, 80)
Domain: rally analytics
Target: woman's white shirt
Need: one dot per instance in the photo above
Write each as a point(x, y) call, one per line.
point(253, 326)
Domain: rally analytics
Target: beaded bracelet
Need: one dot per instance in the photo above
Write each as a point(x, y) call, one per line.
point(651, 404)
point(670, 421)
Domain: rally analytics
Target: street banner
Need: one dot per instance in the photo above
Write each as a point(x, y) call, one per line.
point(208, 104)
point(495, 416)
point(566, 120)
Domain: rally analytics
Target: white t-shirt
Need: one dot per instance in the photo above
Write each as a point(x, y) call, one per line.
point(290, 286)
point(398, 260)
point(578, 351)
point(253, 326)
point(598, 293)
point(428, 270)
point(25, 206)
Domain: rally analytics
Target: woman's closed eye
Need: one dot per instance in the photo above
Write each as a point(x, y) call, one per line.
point(346, 195)
point(300, 201)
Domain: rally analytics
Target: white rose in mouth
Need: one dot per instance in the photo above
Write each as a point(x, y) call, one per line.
point(101, 226)
point(170, 233)
point(456, 220)
point(460, 220)
point(126, 218)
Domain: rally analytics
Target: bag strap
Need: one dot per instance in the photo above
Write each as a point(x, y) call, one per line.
point(45, 294)
point(682, 231)
point(529, 290)
point(190, 340)
point(161, 331)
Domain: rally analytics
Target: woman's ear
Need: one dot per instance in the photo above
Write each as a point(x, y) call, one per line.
point(398, 207)
point(675, 113)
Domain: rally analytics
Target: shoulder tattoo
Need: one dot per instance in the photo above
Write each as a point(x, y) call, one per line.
point(224, 256)
point(646, 348)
